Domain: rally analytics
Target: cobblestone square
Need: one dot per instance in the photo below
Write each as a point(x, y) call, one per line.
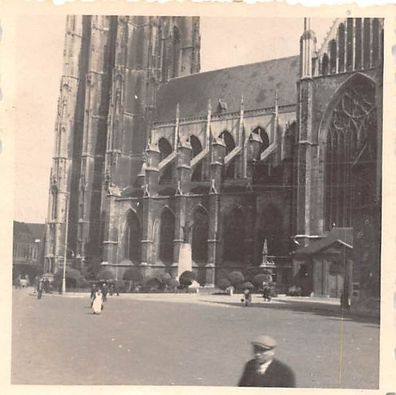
point(185, 340)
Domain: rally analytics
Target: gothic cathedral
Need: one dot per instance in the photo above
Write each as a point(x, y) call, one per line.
point(271, 165)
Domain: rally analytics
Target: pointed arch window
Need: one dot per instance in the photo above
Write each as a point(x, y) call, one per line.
point(229, 171)
point(200, 235)
point(264, 140)
point(176, 52)
point(333, 56)
point(366, 42)
point(166, 236)
point(358, 43)
point(349, 52)
point(325, 64)
point(234, 236)
point(132, 238)
point(165, 149)
point(196, 149)
point(350, 144)
point(376, 40)
point(341, 47)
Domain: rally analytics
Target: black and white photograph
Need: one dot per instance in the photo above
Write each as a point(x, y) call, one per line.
point(197, 200)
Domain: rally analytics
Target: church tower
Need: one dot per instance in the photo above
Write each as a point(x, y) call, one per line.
point(113, 67)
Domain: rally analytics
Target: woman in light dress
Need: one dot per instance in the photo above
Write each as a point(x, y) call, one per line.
point(97, 305)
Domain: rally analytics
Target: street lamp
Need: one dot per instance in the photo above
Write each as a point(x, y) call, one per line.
point(65, 256)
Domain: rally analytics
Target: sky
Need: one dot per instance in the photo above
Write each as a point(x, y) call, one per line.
point(39, 40)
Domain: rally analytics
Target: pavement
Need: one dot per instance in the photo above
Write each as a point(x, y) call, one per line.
point(186, 339)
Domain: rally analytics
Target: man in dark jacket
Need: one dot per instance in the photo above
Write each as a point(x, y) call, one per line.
point(264, 370)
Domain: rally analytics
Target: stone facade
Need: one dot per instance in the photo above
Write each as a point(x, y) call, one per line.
point(153, 155)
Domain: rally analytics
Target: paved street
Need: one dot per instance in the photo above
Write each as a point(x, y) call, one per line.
point(185, 340)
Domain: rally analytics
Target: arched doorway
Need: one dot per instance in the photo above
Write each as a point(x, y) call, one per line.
point(234, 236)
point(200, 234)
point(166, 236)
point(132, 238)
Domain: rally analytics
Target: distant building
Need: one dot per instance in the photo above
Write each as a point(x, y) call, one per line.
point(28, 249)
point(152, 156)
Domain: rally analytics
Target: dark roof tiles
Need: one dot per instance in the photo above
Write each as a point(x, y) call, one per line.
point(257, 82)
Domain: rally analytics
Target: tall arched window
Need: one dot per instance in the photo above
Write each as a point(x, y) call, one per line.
point(349, 52)
point(133, 238)
point(166, 236)
point(325, 64)
point(165, 149)
point(200, 234)
point(358, 43)
point(366, 42)
point(175, 52)
point(341, 47)
point(376, 39)
point(234, 236)
point(333, 56)
point(264, 138)
point(230, 145)
point(196, 149)
point(350, 145)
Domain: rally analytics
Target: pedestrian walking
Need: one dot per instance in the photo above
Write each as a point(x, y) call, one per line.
point(93, 292)
point(264, 370)
point(105, 291)
point(40, 288)
point(267, 291)
point(247, 297)
point(97, 305)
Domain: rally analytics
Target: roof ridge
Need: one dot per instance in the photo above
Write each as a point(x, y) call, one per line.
point(232, 67)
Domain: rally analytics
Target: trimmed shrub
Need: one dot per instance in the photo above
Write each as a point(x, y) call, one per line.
point(223, 284)
point(152, 284)
point(236, 278)
point(173, 284)
point(258, 279)
point(133, 274)
point(186, 278)
point(246, 285)
point(74, 279)
point(105, 274)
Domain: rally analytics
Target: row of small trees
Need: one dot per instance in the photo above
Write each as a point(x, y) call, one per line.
point(133, 279)
point(237, 280)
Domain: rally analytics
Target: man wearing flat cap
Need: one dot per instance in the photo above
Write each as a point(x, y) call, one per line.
point(265, 370)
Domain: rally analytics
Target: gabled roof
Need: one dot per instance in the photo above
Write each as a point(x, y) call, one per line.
point(342, 236)
point(257, 82)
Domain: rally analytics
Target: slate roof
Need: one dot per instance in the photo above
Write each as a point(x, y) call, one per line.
point(257, 82)
point(342, 236)
point(28, 231)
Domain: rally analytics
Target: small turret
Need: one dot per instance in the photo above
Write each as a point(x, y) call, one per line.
point(307, 50)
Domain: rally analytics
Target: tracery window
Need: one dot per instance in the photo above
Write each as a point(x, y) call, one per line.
point(350, 145)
